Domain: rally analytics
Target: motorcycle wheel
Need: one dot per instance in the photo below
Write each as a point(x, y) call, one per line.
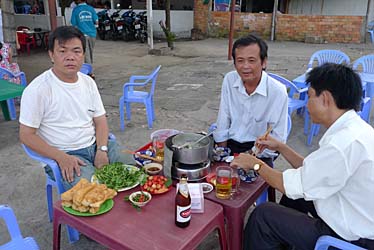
point(101, 35)
point(142, 38)
point(126, 35)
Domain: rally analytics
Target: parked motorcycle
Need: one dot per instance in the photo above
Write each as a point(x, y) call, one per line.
point(117, 23)
point(105, 27)
point(140, 25)
point(128, 28)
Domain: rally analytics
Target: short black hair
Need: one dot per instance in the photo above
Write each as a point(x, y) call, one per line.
point(341, 81)
point(63, 34)
point(248, 40)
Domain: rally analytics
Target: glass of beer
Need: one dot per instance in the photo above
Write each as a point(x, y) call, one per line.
point(158, 147)
point(223, 182)
point(235, 180)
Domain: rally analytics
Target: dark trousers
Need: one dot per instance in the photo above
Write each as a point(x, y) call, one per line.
point(238, 147)
point(288, 226)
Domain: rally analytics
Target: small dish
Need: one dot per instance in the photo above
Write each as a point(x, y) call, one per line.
point(142, 161)
point(140, 198)
point(153, 168)
point(221, 153)
point(248, 177)
point(207, 187)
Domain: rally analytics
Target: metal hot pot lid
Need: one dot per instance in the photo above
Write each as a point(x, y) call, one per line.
point(195, 173)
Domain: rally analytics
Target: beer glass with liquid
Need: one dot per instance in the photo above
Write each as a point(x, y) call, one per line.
point(223, 182)
point(158, 147)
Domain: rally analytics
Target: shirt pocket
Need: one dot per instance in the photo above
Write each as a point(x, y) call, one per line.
point(260, 125)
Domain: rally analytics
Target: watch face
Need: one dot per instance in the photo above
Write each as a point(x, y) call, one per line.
point(104, 148)
point(256, 167)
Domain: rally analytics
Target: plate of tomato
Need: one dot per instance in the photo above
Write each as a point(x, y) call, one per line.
point(211, 178)
point(157, 184)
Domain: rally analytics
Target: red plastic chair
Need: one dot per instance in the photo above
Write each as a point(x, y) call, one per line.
point(25, 40)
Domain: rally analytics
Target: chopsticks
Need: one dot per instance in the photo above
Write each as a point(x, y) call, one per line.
point(262, 137)
point(141, 155)
point(267, 132)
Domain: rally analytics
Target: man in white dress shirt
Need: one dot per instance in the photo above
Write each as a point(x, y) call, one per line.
point(251, 101)
point(330, 192)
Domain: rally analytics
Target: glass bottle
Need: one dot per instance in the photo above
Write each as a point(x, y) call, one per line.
point(182, 204)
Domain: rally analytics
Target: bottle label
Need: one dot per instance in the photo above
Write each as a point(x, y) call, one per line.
point(183, 213)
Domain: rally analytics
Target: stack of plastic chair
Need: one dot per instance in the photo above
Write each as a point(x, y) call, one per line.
point(325, 242)
point(8, 75)
point(365, 66)
point(294, 103)
point(86, 68)
point(131, 95)
point(322, 57)
point(17, 241)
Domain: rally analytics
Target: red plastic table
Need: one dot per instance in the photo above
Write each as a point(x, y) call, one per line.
point(236, 209)
point(123, 227)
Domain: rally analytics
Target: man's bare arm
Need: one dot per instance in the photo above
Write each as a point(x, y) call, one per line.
point(102, 132)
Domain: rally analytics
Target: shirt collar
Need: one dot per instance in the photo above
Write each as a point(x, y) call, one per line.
point(261, 88)
point(338, 124)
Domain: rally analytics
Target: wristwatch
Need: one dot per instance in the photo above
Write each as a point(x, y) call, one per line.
point(257, 167)
point(103, 148)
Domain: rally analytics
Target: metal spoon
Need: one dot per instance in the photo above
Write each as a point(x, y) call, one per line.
point(190, 144)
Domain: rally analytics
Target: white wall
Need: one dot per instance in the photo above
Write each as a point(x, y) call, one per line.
point(181, 23)
point(328, 7)
point(1, 27)
point(36, 21)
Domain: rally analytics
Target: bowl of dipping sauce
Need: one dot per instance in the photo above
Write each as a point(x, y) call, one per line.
point(153, 168)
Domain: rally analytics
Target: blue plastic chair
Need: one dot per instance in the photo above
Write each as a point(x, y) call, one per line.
point(264, 195)
point(322, 57)
point(86, 68)
point(324, 242)
point(364, 113)
point(26, 9)
point(371, 31)
point(8, 75)
point(293, 103)
point(73, 235)
point(17, 241)
point(365, 66)
point(328, 56)
point(130, 95)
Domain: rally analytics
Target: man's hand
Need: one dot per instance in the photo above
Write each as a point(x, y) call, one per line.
point(268, 142)
point(101, 159)
point(68, 164)
point(245, 161)
point(222, 144)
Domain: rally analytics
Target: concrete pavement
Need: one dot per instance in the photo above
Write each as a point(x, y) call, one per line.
point(186, 98)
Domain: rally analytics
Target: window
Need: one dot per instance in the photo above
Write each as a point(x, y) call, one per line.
point(35, 7)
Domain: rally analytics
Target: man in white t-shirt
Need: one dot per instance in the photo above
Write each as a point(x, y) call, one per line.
point(329, 192)
point(62, 114)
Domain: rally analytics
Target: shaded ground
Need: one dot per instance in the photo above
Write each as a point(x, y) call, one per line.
point(187, 98)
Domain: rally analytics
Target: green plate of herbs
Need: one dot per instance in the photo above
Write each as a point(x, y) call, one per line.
point(119, 176)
